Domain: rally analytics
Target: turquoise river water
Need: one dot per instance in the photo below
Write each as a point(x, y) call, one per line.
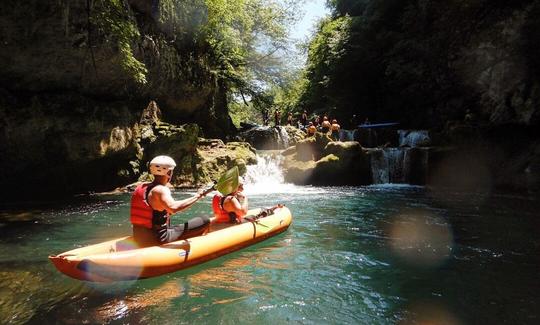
point(365, 255)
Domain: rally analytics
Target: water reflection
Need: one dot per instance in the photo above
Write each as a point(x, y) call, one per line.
point(231, 281)
point(120, 308)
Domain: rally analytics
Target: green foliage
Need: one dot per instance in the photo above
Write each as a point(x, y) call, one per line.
point(245, 38)
point(394, 59)
point(240, 42)
point(115, 20)
point(287, 96)
point(240, 112)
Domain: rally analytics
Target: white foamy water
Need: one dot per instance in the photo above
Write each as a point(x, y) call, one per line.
point(266, 177)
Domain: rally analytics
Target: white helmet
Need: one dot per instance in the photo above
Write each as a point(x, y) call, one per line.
point(161, 165)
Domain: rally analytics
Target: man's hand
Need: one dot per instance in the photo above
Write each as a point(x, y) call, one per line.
point(200, 193)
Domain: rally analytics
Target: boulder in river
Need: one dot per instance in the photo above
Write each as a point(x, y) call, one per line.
point(337, 163)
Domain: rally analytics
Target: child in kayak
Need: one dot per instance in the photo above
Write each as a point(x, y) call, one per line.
point(231, 207)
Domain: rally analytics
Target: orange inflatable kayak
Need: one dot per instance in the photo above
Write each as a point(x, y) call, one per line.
point(120, 259)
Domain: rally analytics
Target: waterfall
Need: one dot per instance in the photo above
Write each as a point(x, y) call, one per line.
point(266, 177)
point(406, 164)
point(413, 138)
point(387, 165)
point(283, 137)
point(267, 170)
point(399, 165)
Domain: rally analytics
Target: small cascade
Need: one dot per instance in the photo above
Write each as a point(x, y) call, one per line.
point(266, 171)
point(283, 137)
point(266, 176)
point(387, 165)
point(415, 165)
point(346, 135)
point(414, 138)
point(407, 164)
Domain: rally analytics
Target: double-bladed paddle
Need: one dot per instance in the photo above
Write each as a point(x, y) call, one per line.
point(227, 183)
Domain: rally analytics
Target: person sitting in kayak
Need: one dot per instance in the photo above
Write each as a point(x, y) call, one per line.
point(152, 206)
point(231, 207)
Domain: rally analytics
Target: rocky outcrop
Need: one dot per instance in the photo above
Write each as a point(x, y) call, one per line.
point(295, 134)
point(107, 55)
point(495, 63)
point(320, 161)
point(73, 80)
point(51, 153)
point(215, 157)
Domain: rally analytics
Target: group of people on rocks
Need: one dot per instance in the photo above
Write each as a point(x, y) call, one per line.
point(320, 124)
point(152, 205)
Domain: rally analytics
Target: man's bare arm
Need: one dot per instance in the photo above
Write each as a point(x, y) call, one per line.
point(162, 200)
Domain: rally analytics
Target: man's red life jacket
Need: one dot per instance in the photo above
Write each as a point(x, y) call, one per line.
point(141, 211)
point(221, 215)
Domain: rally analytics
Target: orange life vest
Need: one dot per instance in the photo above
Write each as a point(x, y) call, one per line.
point(221, 215)
point(141, 211)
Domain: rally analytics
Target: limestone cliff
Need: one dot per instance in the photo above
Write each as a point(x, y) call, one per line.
point(74, 79)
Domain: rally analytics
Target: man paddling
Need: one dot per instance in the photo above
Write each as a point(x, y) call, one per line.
point(152, 206)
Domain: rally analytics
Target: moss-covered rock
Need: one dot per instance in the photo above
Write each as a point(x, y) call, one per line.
point(215, 157)
point(342, 163)
point(298, 171)
point(306, 149)
point(295, 134)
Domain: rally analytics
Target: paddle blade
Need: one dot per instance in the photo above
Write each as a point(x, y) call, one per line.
point(228, 182)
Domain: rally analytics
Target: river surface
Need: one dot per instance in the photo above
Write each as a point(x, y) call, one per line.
point(365, 255)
